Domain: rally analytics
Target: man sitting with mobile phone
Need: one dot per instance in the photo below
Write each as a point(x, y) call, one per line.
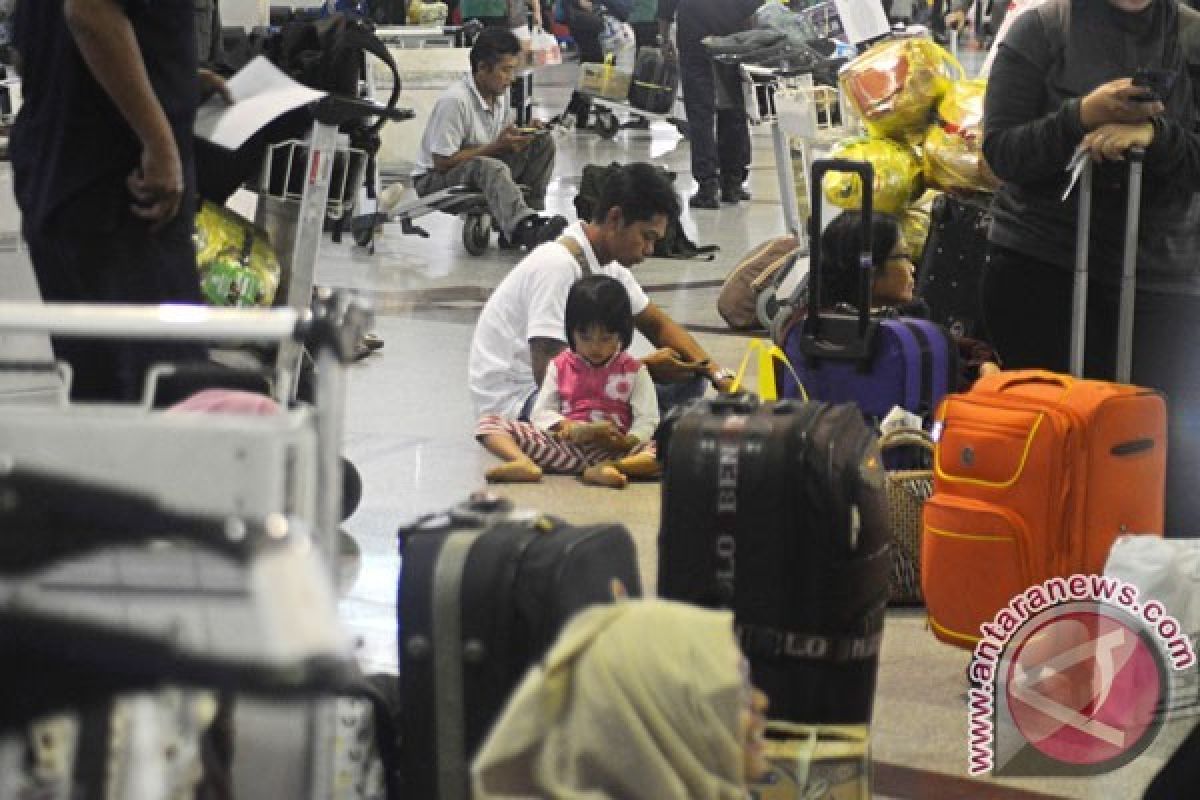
point(471, 141)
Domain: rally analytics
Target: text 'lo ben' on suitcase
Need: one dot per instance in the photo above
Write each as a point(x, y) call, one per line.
point(484, 591)
point(778, 511)
point(1036, 474)
point(856, 358)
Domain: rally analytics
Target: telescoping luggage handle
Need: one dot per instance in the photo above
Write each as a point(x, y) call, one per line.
point(1128, 269)
point(838, 337)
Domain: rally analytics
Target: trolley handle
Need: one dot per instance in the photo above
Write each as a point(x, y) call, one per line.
point(337, 110)
point(337, 321)
point(140, 322)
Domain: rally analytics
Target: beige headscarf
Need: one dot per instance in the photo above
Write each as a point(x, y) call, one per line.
point(635, 700)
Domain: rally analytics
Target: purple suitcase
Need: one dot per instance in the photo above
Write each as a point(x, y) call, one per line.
point(856, 358)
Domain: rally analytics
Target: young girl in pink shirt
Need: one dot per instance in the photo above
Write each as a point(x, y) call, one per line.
point(596, 410)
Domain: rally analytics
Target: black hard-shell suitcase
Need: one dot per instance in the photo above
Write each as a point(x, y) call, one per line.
point(953, 263)
point(779, 512)
point(484, 591)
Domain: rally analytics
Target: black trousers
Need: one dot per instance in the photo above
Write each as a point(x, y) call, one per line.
point(128, 264)
point(722, 151)
point(1027, 309)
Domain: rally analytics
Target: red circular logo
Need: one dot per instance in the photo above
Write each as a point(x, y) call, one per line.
point(1083, 688)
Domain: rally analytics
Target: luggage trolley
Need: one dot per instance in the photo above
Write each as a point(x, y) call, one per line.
point(435, 60)
point(608, 126)
point(302, 183)
point(180, 548)
point(796, 108)
point(607, 88)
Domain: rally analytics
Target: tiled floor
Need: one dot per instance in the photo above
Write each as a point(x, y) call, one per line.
point(409, 431)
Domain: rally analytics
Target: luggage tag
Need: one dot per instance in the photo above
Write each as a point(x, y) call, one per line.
point(1075, 167)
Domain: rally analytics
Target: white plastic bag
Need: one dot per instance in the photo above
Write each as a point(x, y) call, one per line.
point(546, 51)
point(1166, 570)
point(619, 41)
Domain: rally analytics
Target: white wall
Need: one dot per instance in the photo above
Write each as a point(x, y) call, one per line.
point(247, 13)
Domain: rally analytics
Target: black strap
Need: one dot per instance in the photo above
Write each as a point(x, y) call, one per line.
point(576, 249)
point(370, 43)
point(926, 400)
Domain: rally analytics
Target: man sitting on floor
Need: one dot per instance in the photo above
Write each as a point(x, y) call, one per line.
point(521, 328)
point(470, 141)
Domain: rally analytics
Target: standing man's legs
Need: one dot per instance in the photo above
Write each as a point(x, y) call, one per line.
point(585, 28)
point(733, 145)
point(699, 101)
point(128, 264)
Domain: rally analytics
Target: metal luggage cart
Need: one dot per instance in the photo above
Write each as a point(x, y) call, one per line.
point(421, 37)
point(396, 162)
point(800, 112)
point(303, 183)
point(608, 125)
point(198, 546)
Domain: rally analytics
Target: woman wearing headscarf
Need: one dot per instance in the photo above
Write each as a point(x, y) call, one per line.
point(1062, 79)
point(642, 699)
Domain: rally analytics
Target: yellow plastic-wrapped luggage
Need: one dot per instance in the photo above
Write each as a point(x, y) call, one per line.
point(897, 174)
point(237, 265)
point(895, 85)
point(914, 224)
point(953, 150)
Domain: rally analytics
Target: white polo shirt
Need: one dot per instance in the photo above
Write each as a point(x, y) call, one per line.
point(461, 119)
point(530, 303)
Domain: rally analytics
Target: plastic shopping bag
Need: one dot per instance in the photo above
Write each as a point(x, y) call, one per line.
point(618, 40)
point(546, 51)
point(895, 85)
point(953, 148)
point(237, 265)
point(897, 174)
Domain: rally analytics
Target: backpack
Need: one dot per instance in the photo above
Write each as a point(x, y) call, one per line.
point(674, 244)
point(330, 54)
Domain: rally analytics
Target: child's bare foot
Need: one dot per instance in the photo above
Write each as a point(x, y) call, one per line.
point(521, 471)
point(640, 466)
point(605, 475)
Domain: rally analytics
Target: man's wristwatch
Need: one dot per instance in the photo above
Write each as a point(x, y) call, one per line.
point(722, 374)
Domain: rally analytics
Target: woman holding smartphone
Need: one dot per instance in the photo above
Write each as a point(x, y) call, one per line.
point(1064, 79)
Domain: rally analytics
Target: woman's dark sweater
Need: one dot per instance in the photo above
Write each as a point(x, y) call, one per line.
point(1051, 58)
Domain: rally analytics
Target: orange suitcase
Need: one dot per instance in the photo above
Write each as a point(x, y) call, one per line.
point(1036, 474)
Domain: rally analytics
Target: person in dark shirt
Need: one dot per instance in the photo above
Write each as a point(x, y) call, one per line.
point(102, 167)
point(720, 163)
point(1061, 80)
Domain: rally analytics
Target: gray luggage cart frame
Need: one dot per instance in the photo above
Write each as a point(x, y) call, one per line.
point(307, 435)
